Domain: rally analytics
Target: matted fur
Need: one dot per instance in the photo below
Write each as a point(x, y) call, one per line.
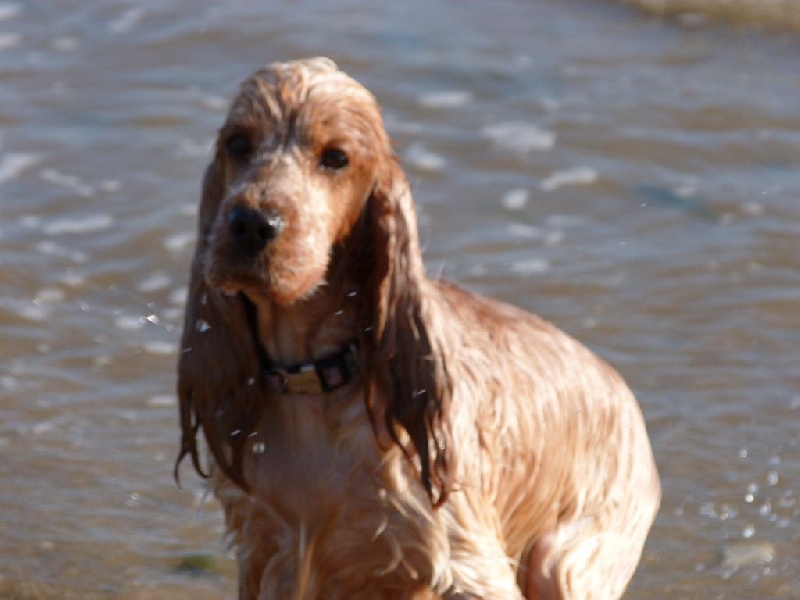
point(480, 453)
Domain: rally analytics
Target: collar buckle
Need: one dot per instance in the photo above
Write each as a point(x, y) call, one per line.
point(315, 378)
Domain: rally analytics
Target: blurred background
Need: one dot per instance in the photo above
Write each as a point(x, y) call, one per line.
point(630, 171)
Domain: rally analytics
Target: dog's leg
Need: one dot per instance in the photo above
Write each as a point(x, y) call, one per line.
point(577, 561)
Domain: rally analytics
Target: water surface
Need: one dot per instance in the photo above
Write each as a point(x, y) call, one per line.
point(633, 180)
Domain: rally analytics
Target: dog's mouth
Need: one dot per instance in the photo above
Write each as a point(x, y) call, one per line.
point(231, 273)
point(271, 258)
point(264, 277)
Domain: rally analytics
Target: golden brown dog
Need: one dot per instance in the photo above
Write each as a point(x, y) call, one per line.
point(374, 433)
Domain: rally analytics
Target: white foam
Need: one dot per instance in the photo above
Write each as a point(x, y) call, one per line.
point(524, 230)
point(188, 148)
point(49, 295)
point(162, 401)
point(73, 279)
point(73, 182)
point(179, 241)
point(64, 44)
point(589, 322)
point(215, 103)
point(159, 348)
point(110, 185)
point(549, 104)
point(418, 156)
point(9, 11)
point(753, 209)
point(478, 270)
point(34, 312)
point(127, 20)
point(129, 415)
point(14, 164)
point(447, 99)
point(129, 322)
point(9, 40)
point(178, 295)
point(79, 225)
point(30, 221)
point(554, 238)
point(173, 314)
point(519, 136)
point(50, 248)
point(395, 126)
point(564, 221)
point(531, 266)
point(515, 199)
point(156, 281)
point(576, 176)
point(43, 427)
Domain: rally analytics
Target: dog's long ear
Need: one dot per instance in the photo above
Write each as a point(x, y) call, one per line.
point(219, 383)
point(409, 388)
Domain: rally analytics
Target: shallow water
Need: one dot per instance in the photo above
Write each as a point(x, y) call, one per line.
point(635, 181)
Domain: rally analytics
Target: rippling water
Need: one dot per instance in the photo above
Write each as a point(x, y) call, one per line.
point(633, 180)
point(777, 14)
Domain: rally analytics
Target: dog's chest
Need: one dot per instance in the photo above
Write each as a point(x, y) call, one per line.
point(327, 508)
point(310, 453)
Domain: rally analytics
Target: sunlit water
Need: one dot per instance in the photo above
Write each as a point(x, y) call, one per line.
point(635, 181)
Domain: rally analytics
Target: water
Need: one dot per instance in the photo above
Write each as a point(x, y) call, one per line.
point(633, 180)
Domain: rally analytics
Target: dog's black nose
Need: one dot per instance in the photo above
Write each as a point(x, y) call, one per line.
point(251, 229)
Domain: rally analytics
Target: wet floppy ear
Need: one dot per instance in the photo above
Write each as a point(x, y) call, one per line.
point(218, 367)
point(211, 196)
point(409, 387)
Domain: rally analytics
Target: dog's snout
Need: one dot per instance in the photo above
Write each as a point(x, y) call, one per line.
point(251, 229)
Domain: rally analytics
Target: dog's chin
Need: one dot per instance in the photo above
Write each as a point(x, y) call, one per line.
point(277, 290)
point(287, 291)
point(228, 280)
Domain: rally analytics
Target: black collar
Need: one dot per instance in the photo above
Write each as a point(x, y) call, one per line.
point(314, 378)
point(308, 379)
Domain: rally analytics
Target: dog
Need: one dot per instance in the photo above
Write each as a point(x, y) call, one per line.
point(374, 433)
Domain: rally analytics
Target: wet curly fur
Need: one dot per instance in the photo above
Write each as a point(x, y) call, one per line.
point(479, 453)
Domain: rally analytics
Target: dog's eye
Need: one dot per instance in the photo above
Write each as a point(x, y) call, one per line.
point(333, 158)
point(238, 147)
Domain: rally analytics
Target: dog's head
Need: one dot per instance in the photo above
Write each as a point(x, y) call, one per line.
point(299, 154)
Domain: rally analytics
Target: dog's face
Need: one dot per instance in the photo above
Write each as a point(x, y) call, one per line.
point(295, 162)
